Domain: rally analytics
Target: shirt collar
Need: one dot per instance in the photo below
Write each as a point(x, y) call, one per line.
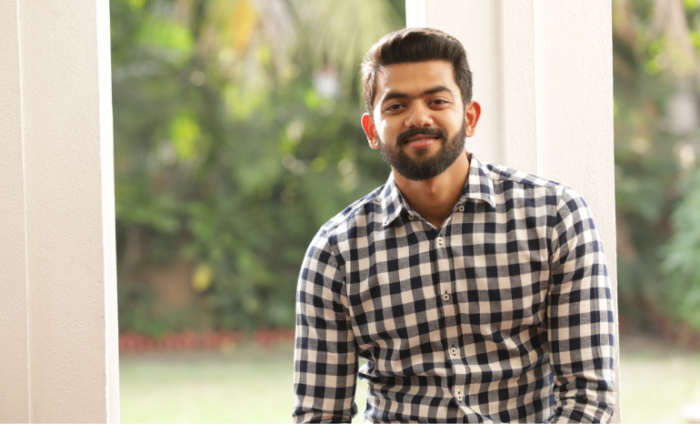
point(479, 186)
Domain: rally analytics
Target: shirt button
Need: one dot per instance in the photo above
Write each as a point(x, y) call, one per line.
point(459, 396)
point(461, 208)
point(410, 216)
point(439, 240)
point(453, 351)
point(446, 297)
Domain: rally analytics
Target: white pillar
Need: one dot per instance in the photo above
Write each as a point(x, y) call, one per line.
point(543, 75)
point(58, 306)
point(14, 372)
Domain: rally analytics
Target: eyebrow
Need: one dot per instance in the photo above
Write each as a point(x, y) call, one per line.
point(398, 95)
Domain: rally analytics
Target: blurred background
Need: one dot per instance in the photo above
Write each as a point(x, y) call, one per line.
point(236, 134)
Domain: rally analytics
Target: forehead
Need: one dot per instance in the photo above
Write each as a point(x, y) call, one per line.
point(415, 77)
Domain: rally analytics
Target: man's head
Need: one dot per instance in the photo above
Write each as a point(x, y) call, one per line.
point(415, 45)
point(417, 88)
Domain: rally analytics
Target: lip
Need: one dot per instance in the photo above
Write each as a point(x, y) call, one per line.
point(421, 142)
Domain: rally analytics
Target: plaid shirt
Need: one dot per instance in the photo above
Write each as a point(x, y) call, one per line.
point(502, 314)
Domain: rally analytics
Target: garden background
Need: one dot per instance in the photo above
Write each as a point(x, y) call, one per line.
point(237, 136)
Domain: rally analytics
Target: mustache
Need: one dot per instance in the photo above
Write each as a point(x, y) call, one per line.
point(434, 132)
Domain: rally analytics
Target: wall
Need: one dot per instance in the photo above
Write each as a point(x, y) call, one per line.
point(14, 373)
point(543, 75)
point(57, 247)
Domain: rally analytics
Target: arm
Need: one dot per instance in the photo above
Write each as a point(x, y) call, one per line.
point(325, 359)
point(580, 317)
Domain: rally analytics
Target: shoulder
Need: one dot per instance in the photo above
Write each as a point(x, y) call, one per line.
point(559, 195)
point(367, 205)
point(503, 174)
point(537, 196)
point(343, 225)
point(360, 212)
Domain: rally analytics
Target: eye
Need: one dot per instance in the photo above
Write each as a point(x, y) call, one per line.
point(439, 102)
point(392, 108)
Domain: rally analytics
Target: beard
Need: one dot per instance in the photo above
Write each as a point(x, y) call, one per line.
point(420, 168)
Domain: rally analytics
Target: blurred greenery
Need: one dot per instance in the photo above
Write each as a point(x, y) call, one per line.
point(656, 68)
point(237, 135)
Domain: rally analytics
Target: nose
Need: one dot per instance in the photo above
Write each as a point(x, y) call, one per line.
point(419, 117)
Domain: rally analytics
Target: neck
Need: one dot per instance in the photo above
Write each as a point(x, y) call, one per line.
point(435, 198)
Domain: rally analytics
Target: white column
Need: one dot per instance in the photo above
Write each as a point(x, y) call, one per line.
point(58, 307)
point(543, 75)
point(14, 372)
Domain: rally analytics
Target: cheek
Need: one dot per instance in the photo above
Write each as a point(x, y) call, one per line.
point(386, 130)
point(454, 124)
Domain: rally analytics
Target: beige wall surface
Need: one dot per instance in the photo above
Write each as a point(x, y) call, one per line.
point(543, 75)
point(57, 244)
point(14, 373)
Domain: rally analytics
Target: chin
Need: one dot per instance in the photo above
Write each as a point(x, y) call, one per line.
point(423, 152)
point(419, 153)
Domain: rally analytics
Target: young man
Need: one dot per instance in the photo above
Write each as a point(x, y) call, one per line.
point(476, 293)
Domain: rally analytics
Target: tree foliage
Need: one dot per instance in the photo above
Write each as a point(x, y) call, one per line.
point(228, 155)
point(656, 68)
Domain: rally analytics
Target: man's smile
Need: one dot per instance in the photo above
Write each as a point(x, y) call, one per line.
point(421, 140)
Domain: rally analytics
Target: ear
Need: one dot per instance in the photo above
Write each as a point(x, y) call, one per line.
point(472, 115)
point(370, 131)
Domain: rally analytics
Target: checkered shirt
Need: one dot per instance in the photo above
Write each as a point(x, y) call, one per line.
point(502, 314)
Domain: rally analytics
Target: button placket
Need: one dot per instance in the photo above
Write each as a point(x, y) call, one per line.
point(449, 309)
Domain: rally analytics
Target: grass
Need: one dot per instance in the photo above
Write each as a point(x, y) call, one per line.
point(249, 385)
point(657, 381)
point(253, 384)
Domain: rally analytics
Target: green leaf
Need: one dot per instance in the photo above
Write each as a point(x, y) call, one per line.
point(185, 133)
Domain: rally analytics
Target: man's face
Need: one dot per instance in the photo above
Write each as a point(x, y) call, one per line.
point(419, 122)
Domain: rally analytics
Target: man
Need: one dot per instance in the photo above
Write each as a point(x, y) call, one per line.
point(476, 293)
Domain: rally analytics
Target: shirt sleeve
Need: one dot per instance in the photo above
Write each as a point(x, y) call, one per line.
point(580, 317)
point(325, 359)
